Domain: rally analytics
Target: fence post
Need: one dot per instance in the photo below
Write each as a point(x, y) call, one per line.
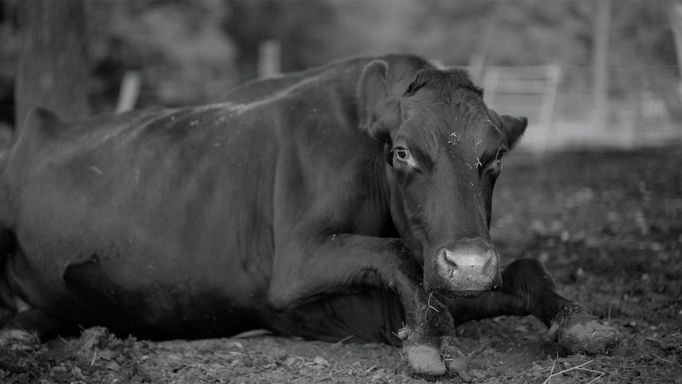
point(269, 58)
point(130, 89)
point(600, 53)
point(553, 73)
point(676, 23)
point(490, 81)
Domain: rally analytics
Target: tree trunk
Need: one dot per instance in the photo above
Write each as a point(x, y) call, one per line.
point(53, 67)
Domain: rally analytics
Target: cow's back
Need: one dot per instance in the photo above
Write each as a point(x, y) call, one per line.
point(341, 76)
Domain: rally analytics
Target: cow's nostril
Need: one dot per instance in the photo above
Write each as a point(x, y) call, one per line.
point(450, 258)
point(477, 263)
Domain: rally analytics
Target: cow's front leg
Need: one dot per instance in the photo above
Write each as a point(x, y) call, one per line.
point(527, 289)
point(342, 263)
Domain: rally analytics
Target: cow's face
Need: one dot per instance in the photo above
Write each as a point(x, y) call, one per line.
point(443, 153)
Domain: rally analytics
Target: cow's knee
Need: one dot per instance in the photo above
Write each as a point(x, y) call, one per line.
point(281, 298)
point(277, 302)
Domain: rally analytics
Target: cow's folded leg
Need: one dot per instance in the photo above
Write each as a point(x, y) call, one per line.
point(351, 261)
point(527, 289)
point(428, 323)
point(570, 324)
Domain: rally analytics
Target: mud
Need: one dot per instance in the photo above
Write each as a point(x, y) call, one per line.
point(608, 227)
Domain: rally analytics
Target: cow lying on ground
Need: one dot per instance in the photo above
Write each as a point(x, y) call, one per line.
point(351, 199)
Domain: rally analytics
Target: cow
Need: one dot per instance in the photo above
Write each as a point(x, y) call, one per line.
point(352, 199)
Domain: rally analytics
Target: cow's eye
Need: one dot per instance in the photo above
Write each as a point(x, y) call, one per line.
point(403, 158)
point(402, 154)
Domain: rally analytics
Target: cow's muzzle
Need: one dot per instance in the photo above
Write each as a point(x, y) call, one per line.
point(469, 266)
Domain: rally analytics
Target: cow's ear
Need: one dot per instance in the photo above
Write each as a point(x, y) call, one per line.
point(514, 127)
point(371, 90)
point(378, 112)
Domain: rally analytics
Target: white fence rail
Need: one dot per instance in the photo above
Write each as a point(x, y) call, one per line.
point(561, 116)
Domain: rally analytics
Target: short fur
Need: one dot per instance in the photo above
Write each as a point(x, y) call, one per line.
point(444, 82)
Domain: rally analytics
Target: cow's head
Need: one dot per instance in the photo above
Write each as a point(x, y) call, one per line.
point(443, 148)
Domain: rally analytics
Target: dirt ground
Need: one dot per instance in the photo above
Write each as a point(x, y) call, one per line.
point(607, 225)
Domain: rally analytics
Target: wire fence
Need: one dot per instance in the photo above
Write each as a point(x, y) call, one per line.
point(643, 109)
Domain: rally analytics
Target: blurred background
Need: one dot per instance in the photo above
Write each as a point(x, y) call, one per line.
point(585, 72)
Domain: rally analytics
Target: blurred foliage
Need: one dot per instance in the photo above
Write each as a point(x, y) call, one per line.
point(301, 27)
point(193, 51)
point(180, 48)
point(521, 32)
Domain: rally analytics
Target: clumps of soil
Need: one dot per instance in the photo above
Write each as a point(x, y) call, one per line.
point(100, 357)
point(95, 357)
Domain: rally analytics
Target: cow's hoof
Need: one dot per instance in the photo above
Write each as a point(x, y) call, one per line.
point(579, 332)
point(454, 358)
point(18, 340)
point(425, 360)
